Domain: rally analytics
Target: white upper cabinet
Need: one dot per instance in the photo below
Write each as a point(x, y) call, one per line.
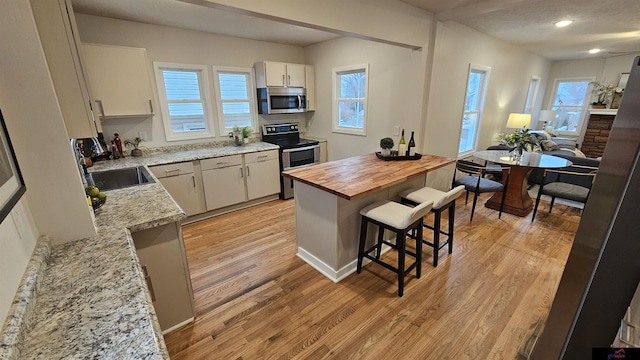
point(119, 80)
point(277, 74)
point(60, 41)
point(310, 84)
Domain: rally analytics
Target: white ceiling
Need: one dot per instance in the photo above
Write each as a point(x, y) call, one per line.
point(611, 25)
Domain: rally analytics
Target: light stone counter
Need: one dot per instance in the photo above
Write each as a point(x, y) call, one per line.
point(88, 298)
point(161, 158)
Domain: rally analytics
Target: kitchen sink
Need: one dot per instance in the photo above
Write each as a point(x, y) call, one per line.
point(122, 178)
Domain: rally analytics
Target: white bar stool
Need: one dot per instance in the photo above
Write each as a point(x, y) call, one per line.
point(441, 201)
point(399, 219)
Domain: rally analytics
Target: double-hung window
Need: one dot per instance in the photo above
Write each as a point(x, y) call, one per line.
point(531, 94)
point(236, 98)
point(570, 99)
point(185, 101)
point(350, 99)
point(473, 104)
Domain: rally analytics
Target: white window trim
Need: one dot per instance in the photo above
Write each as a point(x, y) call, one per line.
point(251, 96)
point(532, 94)
point(336, 91)
point(206, 97)
point(487, 71)
point(585, 105)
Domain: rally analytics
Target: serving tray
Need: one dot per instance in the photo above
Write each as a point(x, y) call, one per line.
point(398, 158)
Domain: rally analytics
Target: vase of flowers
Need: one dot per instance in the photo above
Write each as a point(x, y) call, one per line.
point(133, 145)
point(520, 140)
point(605, 93)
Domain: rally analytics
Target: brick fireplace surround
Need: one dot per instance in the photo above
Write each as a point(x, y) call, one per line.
point(597, 134)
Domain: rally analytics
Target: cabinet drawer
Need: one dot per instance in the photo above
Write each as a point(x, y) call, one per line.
point(261, 156)
point(221, 162)
point(163, 171)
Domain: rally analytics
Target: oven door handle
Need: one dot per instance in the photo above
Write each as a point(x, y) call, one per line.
point(300, 148)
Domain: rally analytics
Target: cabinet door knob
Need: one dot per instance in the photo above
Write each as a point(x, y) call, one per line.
point(150, 107)
point(193, 178)
point(248, 173)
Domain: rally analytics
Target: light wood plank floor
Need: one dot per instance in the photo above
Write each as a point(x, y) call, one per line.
point(256, 300)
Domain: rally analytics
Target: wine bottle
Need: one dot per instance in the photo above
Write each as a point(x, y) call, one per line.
point(402, 146)
point(412, 146)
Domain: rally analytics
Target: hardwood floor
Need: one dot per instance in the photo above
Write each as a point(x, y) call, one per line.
point(256, 299)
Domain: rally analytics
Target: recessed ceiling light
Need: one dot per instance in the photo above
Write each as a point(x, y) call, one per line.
point(594, 51)
point(563, 23)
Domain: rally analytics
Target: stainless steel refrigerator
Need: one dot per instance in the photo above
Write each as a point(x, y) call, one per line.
point(603, 268)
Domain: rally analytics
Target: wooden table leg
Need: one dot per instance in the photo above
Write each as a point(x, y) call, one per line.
point(518, 202)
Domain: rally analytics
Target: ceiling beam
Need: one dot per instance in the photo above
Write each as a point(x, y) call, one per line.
point(299, 23)
point(480, 8)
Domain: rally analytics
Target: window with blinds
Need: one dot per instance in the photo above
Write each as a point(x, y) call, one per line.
point(236, 98)
point(185, 101)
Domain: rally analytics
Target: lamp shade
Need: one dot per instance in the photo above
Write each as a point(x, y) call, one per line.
point(518, 121)
point(546, 115)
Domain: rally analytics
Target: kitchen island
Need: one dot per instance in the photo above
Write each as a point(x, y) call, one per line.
point(328, 199)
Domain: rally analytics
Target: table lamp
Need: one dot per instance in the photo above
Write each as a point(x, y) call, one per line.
point(546, 117)
point(519, 121)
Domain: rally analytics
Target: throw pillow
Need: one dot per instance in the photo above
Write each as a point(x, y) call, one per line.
point(549, 145)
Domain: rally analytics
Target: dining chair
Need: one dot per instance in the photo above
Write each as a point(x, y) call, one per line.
point(493, 169)
point(475, 182)
point(572, 183)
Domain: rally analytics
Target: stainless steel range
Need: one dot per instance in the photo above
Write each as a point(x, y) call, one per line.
point(294, 152)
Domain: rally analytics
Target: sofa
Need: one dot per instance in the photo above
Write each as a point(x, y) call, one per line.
point(574, 155)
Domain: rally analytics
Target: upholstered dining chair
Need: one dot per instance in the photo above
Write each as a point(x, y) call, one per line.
point(571, 183)
point(476, 183)
point(495, 170)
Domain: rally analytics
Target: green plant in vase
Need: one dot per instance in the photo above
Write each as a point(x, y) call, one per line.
point(133, 145)
point(386, 144)
point(521, 140)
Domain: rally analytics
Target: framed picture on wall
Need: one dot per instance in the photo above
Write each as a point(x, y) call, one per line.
point(11, 183)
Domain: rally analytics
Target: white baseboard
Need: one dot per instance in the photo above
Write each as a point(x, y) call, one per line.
point(178, 326)
point(328, 271)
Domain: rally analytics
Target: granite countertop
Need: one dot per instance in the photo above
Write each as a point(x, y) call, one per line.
point(161, 158)
point(88, 298)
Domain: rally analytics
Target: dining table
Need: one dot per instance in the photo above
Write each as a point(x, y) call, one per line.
point(517, 200)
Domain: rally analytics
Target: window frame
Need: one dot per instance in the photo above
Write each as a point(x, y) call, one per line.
point(486, 72)
point(532, 94)
point(585, 104)
point(336, 128)
point(205, 98)
point(251, 96)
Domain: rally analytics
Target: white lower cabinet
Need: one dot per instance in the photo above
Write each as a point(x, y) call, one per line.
point(223, 181)
point(231, 180)
point(163, 260)
point(182, 184)
point(263, 174)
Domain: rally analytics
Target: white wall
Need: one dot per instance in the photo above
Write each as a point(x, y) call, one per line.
point(389, 20)
point(456, 47)
point(396, 81)
point(168, 44)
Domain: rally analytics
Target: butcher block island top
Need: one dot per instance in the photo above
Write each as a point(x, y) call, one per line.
point(359, 175)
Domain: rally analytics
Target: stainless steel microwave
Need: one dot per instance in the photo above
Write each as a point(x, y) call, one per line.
point(274, 100)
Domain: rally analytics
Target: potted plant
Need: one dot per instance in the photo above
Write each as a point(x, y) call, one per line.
point(604, 92)
point(386, 144)
point(521, 140)
point(246, 132)
point(236, 134)
point(133, 145)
